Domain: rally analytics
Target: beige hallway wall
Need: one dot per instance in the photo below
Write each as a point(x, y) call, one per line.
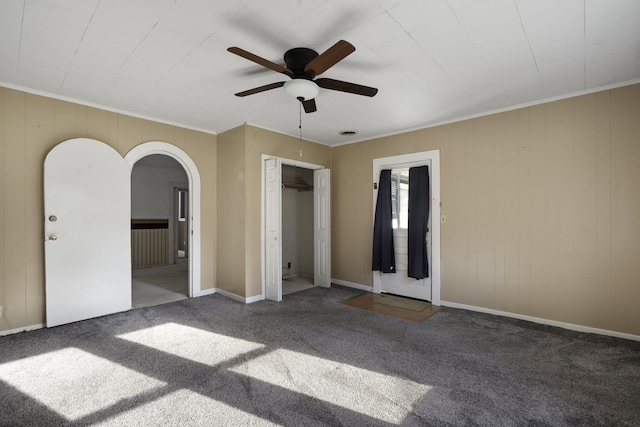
point(542, 208)
point(231, 211)
point(30, 126)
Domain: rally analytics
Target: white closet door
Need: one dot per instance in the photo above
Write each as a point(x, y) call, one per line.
point(87, 205)
point(273, 232)
point(322, 227)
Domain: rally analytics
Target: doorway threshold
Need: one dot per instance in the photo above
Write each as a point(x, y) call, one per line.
point(159, 285)
point(390, 305)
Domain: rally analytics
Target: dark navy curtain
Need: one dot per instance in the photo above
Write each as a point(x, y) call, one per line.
point(418, 265)
point(383, 252)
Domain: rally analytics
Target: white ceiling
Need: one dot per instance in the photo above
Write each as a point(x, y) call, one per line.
point(433, 60)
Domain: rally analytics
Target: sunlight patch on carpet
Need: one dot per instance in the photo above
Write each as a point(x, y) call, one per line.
point(190, 343)
point(74, 383)
point(385, 397)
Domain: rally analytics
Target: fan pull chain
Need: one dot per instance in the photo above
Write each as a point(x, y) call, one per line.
point(300, 127)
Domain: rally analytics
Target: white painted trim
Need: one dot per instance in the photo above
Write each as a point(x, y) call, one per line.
point(238, 298)
point(296, 136)
point(23, 329)
point(405, 161)
point(352, 141)
point(352, 285)
point(263, 186)
point(230, 295)
point(299, 163)
point(283, 161)
point(104, 107)
point(254, 298)
point(190, 168)
point(489, 113)
point(204, 292)
point(540, 320)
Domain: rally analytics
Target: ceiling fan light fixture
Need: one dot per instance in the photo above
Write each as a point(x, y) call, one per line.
point(301, 89)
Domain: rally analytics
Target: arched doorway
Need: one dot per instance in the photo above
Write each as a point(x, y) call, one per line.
point(193, 176)
point(160, 224)
point(87, 208)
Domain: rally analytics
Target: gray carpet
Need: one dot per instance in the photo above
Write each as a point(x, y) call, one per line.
point(310, 360)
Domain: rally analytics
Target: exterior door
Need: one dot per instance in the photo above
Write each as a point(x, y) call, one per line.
point(322, 227)
point(87, 207)
point(399, 283)
point(273, 230)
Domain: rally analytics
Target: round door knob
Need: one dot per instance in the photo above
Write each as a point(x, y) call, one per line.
point(53, 238)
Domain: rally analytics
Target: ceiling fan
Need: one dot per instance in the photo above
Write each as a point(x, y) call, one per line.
point(302, 66)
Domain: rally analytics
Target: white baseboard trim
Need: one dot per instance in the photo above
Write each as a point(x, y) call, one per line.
point(565, 325)
point(204, 292)
point(352, 285)
point(238, 298)
point(230, 295)
point(254, 298)
point(23, 329)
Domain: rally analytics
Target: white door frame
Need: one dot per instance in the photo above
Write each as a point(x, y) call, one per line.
point(190, 168)
point(405, 161)
point(283, 161)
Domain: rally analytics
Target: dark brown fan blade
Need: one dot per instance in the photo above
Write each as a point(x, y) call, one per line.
point(260, 89)
point(309, 105)
point(329, 58)
point(346, 87)
point(261, 61)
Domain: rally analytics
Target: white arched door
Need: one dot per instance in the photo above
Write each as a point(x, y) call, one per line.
point(87, 207)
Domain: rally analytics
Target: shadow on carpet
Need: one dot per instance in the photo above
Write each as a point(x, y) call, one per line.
point(312, 361)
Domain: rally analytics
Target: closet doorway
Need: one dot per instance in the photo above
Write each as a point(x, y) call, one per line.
point(296, 227)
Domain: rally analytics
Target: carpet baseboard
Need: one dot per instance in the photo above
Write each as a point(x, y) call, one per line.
point(231, 295)
point(254, 298)
point(543, 321)
point(23, 329)
point(204, 292)
point(352, 285)
point(247, 300)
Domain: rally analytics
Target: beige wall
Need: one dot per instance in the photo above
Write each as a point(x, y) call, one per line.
point(542, 207)
point(231, 211)
point(542, 203)
point(30, 126)
point(244, 265)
